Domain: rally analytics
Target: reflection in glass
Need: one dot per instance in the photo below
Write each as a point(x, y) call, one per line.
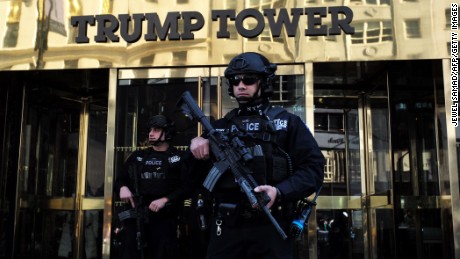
point(352, 110)
point(400, 149)
point(47, 218)
point(336, 233)
point(50, 155)
point(50, 150)
point(95, 167)
point(139, 99)
point(92, 234)
point(421, 225)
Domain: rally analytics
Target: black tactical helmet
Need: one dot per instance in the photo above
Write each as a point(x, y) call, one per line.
point(162, 122)
point(252, 63)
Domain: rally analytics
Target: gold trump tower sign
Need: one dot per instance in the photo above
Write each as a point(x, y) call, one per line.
point(130, 27)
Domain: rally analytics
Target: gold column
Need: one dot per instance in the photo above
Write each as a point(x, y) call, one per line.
point(109, 160)
point(81, 178)
point(309, 117)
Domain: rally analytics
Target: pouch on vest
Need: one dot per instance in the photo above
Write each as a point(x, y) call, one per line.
point(281, 166)
point(227, 212)
point(258, 165)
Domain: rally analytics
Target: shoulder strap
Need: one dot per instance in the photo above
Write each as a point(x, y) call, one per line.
point(272, 112)
point(230, 115)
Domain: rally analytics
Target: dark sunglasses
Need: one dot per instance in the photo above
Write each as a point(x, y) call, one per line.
point(247, 80)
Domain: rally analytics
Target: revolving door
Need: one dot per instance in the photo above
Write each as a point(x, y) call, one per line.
point(379, 126)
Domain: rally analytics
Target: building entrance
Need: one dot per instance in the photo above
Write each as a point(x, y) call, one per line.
point(56, 206)
point(352, 128)
point(381, 126)
point(383, 191)
point(142, 93)
point(381, 178)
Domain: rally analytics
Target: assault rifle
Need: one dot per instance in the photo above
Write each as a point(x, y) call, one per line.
point(230, 153)
point(139, 208)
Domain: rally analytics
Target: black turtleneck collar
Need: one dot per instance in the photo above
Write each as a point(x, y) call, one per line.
point(256, 107)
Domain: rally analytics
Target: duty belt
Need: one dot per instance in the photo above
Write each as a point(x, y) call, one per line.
point(250, 213)
point(241, 210)
point(130, 214)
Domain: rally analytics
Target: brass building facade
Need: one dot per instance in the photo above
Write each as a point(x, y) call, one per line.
point(379, 101)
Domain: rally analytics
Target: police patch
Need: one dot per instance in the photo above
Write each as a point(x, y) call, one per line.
point(154, 161)
point(174, 159)
point(280, 124)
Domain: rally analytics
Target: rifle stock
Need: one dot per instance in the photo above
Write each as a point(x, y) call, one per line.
point(229, 154)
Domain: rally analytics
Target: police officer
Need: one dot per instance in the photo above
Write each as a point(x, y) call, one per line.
point(287, 165)
point(157, 171)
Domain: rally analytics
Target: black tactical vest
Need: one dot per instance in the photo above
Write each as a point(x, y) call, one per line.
point(270, 163)
point(158, 172)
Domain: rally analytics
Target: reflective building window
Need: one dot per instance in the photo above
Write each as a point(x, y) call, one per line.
point(372, 32)
point(412, 27)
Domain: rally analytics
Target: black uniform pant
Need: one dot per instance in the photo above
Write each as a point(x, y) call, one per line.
point(160, 239)
point(248, 241)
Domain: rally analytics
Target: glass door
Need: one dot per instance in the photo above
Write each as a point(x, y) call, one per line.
point(339, 215)
point(380, 126)
point(354, 212)
point(378, 183)
point(60, 177)
point(143, 93)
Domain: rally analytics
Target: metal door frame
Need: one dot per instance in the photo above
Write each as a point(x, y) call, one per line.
point(366, 202)
point(77, 204)
point(371, 201)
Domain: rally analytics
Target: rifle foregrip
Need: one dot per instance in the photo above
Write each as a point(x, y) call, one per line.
point(264, 198)
point(248, 191)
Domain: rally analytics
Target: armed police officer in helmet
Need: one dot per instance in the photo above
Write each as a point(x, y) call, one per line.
point(151, 183)
point(287, 165)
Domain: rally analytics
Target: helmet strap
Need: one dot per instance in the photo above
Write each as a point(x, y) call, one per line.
point(158, 142)
point(255, 99)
